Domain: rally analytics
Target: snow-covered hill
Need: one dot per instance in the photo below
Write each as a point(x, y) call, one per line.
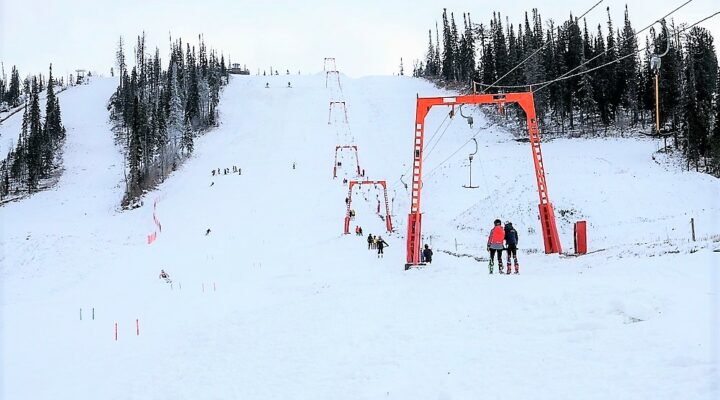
point(275, 303)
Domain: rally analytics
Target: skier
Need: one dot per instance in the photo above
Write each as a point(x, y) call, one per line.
point(213, 172)
point(293, 164)
point(381, 245)
point(511, 239)
point(164, 275)
point(360, 231)
point(357, 230)
point(370, 240)
point(495, 244)
point(375, 242)
point(207, 232)
point(267, 85)
point(212, 183)
point(289, 85)
point(427, 254)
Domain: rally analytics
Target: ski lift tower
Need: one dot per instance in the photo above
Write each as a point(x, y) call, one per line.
point(526, 101)
point(80, 76)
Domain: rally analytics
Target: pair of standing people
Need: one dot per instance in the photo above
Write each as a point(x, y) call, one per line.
point(497, 240)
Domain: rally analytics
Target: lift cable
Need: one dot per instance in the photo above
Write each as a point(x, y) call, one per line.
point(544, 83)
point(486, 87)
point(568, 77)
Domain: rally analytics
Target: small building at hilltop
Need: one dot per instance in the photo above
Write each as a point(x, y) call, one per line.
point(238, 70)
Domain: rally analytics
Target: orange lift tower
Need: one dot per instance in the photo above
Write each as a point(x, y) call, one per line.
point(329, 61)
point(524, 100)
point(388, 220)
point(357, 159)
point(337, 104)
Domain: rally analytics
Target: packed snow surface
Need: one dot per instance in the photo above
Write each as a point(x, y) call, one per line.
point(275, 303)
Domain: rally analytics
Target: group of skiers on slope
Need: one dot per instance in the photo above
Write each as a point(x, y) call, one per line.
point(503, 239)
point(358, 230)
point(267, 85)
point(226, 171)
point(376, 242)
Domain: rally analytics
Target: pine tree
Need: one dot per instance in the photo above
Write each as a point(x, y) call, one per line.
point(438, 60)
point(470, 50)
point(35, 139)
point(52, 128)
point(670, 82)
point(700, 82)
point(573, 58)
point(430, 67)
point(628, 70)
point(455, 50)
point(487, 59)
point(715, 138)
point(12, 96)
point(610, 71)
point(120, 60)
point(134, 154)
point(514, 57)
point(447, 58)
point(600, 83)
point(502, 64)
point(187, 138)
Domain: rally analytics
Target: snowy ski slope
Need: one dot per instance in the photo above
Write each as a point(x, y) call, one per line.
point(275, 303)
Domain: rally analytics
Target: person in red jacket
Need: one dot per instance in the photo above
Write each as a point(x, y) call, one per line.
point(495, 244)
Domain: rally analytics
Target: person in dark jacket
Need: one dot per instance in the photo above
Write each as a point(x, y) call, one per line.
point(511, 240)
point(381, 243)
point(427, 254)
point(370, 241)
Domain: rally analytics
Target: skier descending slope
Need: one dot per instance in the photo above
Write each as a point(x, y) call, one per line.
point(495, 244)
point(511, 239)
point(164, 275)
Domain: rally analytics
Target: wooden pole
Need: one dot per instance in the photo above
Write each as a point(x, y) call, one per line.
point(692, 227)
point(657, 103)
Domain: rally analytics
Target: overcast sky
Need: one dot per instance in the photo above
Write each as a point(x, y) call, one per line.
point(366, 37)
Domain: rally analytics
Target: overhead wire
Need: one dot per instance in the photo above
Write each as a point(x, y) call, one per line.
point(578, 74)
point(676, 31)
point(537, 50)
point(399, 181)
point(564, 75)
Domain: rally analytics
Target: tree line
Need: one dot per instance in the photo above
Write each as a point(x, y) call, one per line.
point(36, 154)
point(611, 82)
point(158, 112)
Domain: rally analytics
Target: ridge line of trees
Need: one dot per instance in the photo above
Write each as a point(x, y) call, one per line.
point(157, 113)
point(620, 96)
point(37, 153)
